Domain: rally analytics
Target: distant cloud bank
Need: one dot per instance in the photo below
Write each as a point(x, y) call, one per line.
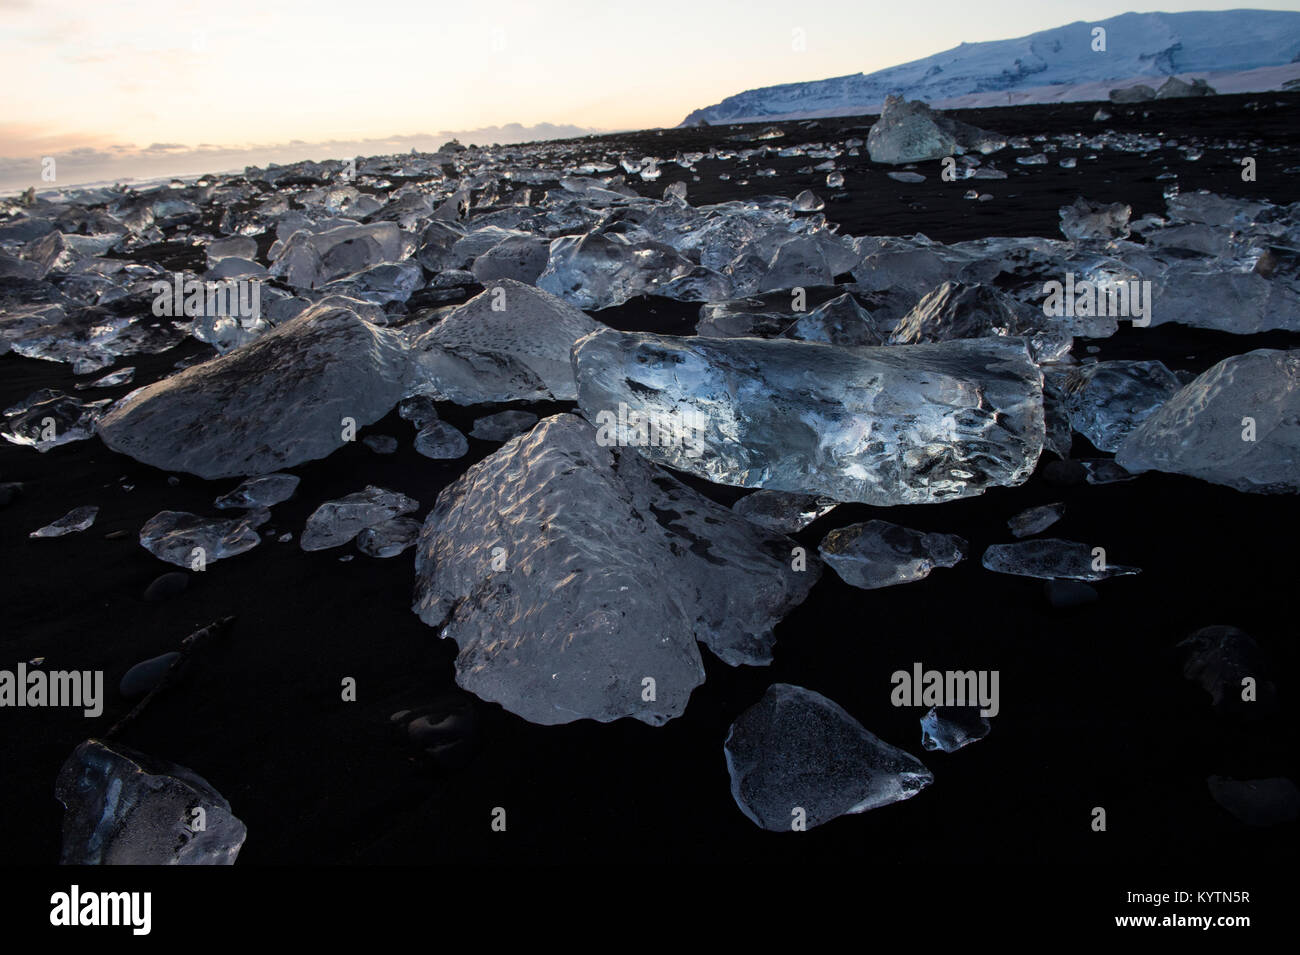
point(125, 163)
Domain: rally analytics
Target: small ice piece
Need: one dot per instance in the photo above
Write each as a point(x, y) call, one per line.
point(1036, 159)
point(910, 131)
point(1108, 399)
point(1049, 558)
point(419, 410)
point(380, 443)
point(1219, 658)
point(1085, 221)
point(441, 441)
point(190, 541)
point(782, 512)
point(1035, 520)
point(798, 760)
point(1257, 802)
point(949, 728)
point(1104, 471)
point(841, 321)
point(906, 176)
point(48, 419)
point(676, 191)
point(835, 180)
point(77, 519)
point(389, 538)
point(503, 425)
point(879, 554)
point(124, 808)
point(807, 201)
point(265, 491)
point(1237, 424)
point(123, 376)
point(335, 523)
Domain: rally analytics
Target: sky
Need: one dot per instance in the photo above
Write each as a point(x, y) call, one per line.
point(162, 84)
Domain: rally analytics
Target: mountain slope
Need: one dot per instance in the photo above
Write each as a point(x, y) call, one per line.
point(1137, 45)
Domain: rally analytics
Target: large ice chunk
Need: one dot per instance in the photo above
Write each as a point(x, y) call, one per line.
point(335, 523)
point(1107, 400)
point(1237, 424)
point(193, 541)
point(886, 425)
point(284, 399)
point(910, 131)
point(511, 343)
point(124, 808)
point(569, 574)
point(796, 757)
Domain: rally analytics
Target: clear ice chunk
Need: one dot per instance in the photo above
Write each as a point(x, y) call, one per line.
point(189, 540)
point(503, 425)
point(511, 343)
point(949, 728)
point(1108, 399)
point(1237, 424)
point(878, 554)
point(796, 757)
point(1049, 558)
point(1035, 520)
point(265, 491)
point(273, 404)
point(77, 519)
point(884, 426)
point(910, 131)
point(335, 523)
point(782, 512)
point(48, 419)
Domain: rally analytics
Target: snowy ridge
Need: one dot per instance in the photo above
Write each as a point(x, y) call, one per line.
point(1047, 66)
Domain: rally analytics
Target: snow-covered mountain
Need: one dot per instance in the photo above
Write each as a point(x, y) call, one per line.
point(1046, 66)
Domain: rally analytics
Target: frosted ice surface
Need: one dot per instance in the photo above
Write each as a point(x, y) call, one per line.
point(264, 491)
point(1237, 424)
point(795, 752)
point(949, 728)
point(275, 403)
point(510, 343)
point(441, 441)
point(1106, 400)
point(124, 808)
point(1035, 520)
point(568, 574)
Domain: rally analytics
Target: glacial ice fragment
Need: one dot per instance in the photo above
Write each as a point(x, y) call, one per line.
point(878, 554)
point(272, 404)
point(538, 562)
point(124, 808)
point(441, 441)
point(77, 519)
point(48, 419)
point(782, 512)
point(797, 757)
point(185, 539)
point(265, 491)
point(949, 728)
point(884, 426)
point(1237, 424)
point(1035, 520)
point(1107, 400)
point(390, 538)
point(910, 131)
point(510, 343)
point(503, 425)
point(1052, 559)
point(335, 523)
